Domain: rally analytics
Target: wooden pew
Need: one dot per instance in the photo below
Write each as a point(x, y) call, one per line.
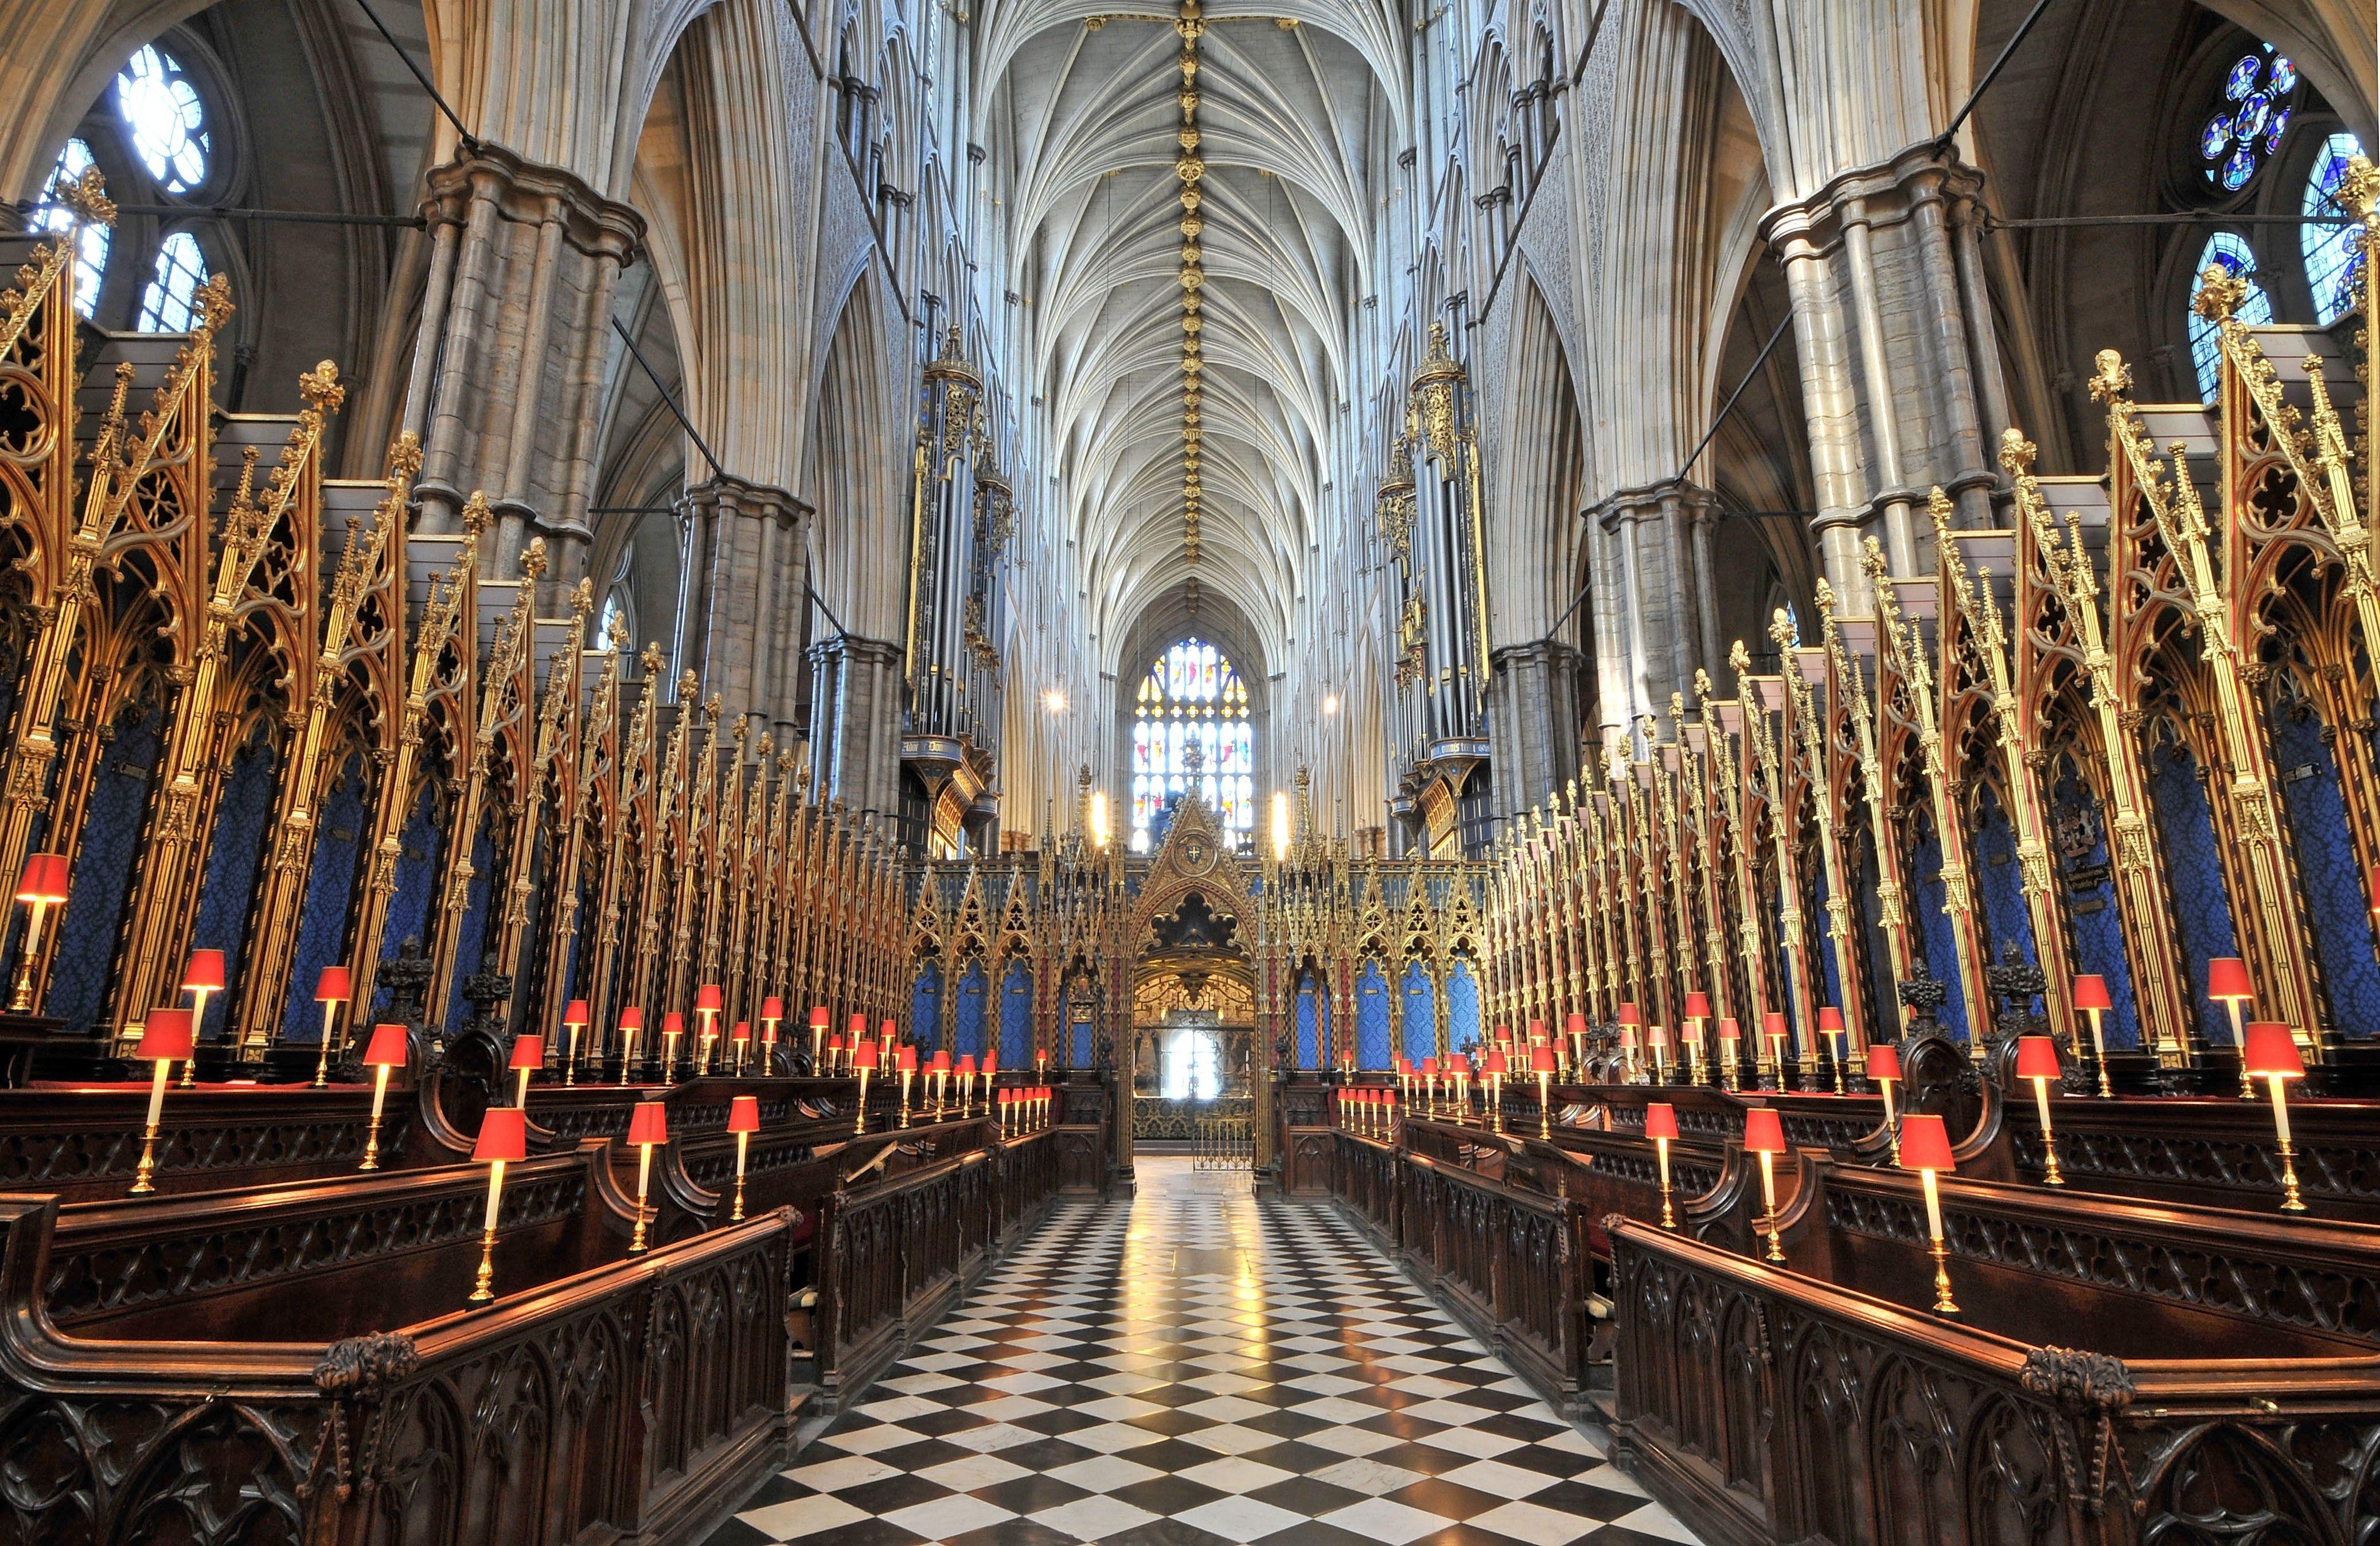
point(640, 1398)
point(2119, 1371)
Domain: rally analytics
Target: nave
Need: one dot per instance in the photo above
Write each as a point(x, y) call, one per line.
point(1190, 1367)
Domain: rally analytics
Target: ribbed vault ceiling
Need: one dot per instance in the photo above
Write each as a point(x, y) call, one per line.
point(1081, 114)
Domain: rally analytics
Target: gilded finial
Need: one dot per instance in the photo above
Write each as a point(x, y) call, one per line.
point(476, 512)
point(652, 660)
point(2112, 379)
point(1739, 658)
point(582, 600)
point(319, 386)
point(2220, 291)
point(532, 561)
point(687, 684)
point(404, 462)
point(2016, 451)
point(1825, 597)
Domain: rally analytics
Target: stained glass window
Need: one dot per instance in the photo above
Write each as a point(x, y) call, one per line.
point(1190, 733)
point(91, 254)
point(2248, 119)
point(166, 306)
point(165, 117)
point(2232, 251)
point(2334, 254)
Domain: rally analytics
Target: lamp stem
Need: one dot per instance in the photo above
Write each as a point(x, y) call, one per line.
point(1669, 1219)
point(197, 1034)
point(2099, 1052)
point(1768, 1195)
point(23, 1002)
point(2048, 1137)
point(644, 1176)
point(372, 1133)
point(2291, 1203)
point(738, 1212)
point(2247, 1081)
point(322, 1063)
point(481, 1293)
point(145, 1179)
point(1942, 1303)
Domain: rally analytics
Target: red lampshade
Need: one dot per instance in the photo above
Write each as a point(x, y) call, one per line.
point(1429, 1067)
point(504, 1134)
point(966, 1065)
point(1504, 1037)
point(1460, 1065)
point(1536, 1030)
point(1541, 1061)
point(2227, 976)
point(1575, 1025)
point(1762, 1133)
point(1773, 1024)
point(1495, 1064)
point(1659, 1036)
point(1398, 1065)
point(1884, 1061)
point(942, 1062)
point(165, 1036)
point(333, 985)
point(632, 1018)
point(2272, 1052)
point(528, 1052)
point(1925, 1143)
point(2037, 1058)
point(906, 1060)
point(888, 1030)
point(1831, 1019)
point(774, 1008)
point(1631, 1016)
point(575, 1014)
point(863, 1054)
point(708, 997)
point(743, 1031)
point(387, 1048)
point(857, 1028)
point(205, 972)
point(1729, 1030)
point(648, 1124)
point(1661, 1120)
point(834, 1042)
point(1698, 1007)
point(2091, 993)
point(744, 1114)
point(45, 879)
point(991, 1062)
point(672, 1024)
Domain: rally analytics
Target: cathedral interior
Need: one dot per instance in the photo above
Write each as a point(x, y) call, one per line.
point(1443, 772)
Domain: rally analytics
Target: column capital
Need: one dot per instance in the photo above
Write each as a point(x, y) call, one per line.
point(1649, 500)
point(730, 495)
point(529, 194)
point(1883, 194)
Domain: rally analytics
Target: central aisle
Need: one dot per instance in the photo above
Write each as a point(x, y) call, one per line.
point(1186, 1368)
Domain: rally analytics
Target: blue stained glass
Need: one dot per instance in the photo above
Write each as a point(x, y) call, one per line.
point(1934, 927)
point(2337, 908)
point(2334, 254)
point(2242, 78)
point(102, 875)
point(1419, 1019)
point(1372, 1044)
point(416, 882)
point(330, 887)
point(2216, 133)
point(2098, 926)
point(235, 856)
point(1463, 1027)
point(2237, 167)
point(1309, 1039)
point(2279, 127)
point(2285, 76)
point(473, 932)
point(2229, 250)
point(966, 1035)
point(926, 1007)
point(1016, 1015)
point(2202, 912)
point(2253, 114)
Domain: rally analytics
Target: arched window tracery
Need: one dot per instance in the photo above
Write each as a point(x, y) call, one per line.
point(2334, 255)
point(2231, 251)
point(1191, 732)
point(91, 247)
point(2250, 116)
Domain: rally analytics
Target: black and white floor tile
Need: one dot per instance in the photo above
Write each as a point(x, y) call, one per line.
point(1190, 1368)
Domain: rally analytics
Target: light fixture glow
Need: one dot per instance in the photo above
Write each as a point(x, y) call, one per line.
point(1054, 701)
point(1280, 824)
point(1100, 817)
point(1330, 703)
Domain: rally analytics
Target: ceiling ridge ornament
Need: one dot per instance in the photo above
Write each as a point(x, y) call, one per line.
point(1191, 168)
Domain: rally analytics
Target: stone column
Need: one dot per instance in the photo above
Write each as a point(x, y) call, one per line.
point(1900, 377)
point(507, 368)
point(1660, 586)
point(1533, 722)
point(856, 702)
point(744, 596)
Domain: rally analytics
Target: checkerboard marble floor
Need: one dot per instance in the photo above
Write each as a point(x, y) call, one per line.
point(1190, 1368)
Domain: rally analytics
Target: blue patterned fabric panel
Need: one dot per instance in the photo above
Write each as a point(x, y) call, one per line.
point(1016, 1015)
point(1309, 1041)
point(474, 929)
point(1420, 1015)
point(2202, 912)
point(330, 885)
point(1463, 1026)
point(1080, 1038)
point(416, 882)
point(2337, 905)
point(2098, 926)
point(1373, 1035)
point(236, 856)
point(102, 874)
point(2002, 879)
point(966, 1033)
point(1934, 927)
point(926, 1006)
